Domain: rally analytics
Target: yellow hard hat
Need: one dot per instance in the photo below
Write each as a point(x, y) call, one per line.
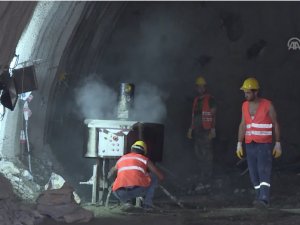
point(200, 81)
point(250, 84)
point(140, 145)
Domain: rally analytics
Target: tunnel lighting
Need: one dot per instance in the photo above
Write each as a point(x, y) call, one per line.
point(25, 79)
point(9, 99)
point(9, 94)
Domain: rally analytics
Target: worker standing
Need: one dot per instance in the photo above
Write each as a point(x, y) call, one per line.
point(136, 176)
point(202, 128)
point(258, 122)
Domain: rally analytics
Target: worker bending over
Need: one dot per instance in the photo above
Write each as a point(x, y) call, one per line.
point(136, 176)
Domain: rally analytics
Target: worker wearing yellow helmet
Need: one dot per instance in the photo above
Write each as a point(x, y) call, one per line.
point(258, 127)
point(202, 128)
point(136, 176)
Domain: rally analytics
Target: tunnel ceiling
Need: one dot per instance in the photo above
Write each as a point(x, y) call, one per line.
point(161, 47)
point(14, 17)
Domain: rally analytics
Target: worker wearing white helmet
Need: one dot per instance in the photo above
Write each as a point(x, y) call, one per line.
point(136, 176)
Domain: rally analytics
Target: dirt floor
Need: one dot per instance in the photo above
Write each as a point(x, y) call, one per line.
point(232, 216)
point(226, 202)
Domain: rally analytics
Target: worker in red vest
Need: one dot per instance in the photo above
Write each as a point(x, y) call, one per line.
point(259, 120)
point(136, 176)
point(202, 128)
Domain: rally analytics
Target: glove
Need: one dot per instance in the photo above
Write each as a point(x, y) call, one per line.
point(189, 134)
point(277, 150)
point(111, 172)
point(239, 150)
point(212, 133)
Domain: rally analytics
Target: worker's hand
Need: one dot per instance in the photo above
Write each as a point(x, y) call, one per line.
point(277, 150)
point(111, 172)
point(189, 134)
point(239, 150)
point(212, 133)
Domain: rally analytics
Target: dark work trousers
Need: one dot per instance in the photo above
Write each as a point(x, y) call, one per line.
point(128, 193)
point(259, 159)
point(204, 153)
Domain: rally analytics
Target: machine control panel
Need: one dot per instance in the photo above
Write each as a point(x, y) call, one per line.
point(111, 142)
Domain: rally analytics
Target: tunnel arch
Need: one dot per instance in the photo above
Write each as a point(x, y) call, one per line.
point(135, 41)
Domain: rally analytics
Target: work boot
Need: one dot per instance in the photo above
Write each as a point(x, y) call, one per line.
point(139, 201)
point(255, 202)
point(260, 204)
point(149, 207)
point(127, 207)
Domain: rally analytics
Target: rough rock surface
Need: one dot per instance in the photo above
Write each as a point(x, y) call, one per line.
point(60, 205)
point(21, 180)
point(12, 210)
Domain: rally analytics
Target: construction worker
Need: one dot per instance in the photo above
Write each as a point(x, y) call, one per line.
point(257, 125)
point(202, 128)
point(136, 176)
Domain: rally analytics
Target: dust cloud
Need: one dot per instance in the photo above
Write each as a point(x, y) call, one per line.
point(149, 104)
point(95, 99)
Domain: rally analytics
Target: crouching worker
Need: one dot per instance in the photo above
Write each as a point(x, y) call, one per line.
point(136, 176)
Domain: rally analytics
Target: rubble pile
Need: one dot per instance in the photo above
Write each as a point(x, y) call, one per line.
point(59, 204)
point(12, 211)
point(56, 182)
point(22, 181)
point(23, 203)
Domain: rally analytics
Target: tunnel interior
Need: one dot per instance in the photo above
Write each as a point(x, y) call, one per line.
point(161, 47)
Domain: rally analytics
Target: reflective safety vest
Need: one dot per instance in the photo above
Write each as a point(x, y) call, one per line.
point(258, 129)
point(207, 117)
point(132, 171)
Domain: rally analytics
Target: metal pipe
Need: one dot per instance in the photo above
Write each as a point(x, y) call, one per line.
point(103, 176)
point(94, 192)
point(28, 146)
point(125, 101)
point(92, 143)
point(140, 131)
point(171, 196)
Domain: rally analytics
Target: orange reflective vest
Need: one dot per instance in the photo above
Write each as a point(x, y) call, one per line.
point(258, 129)
point(132, 171)
point(207, 117)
